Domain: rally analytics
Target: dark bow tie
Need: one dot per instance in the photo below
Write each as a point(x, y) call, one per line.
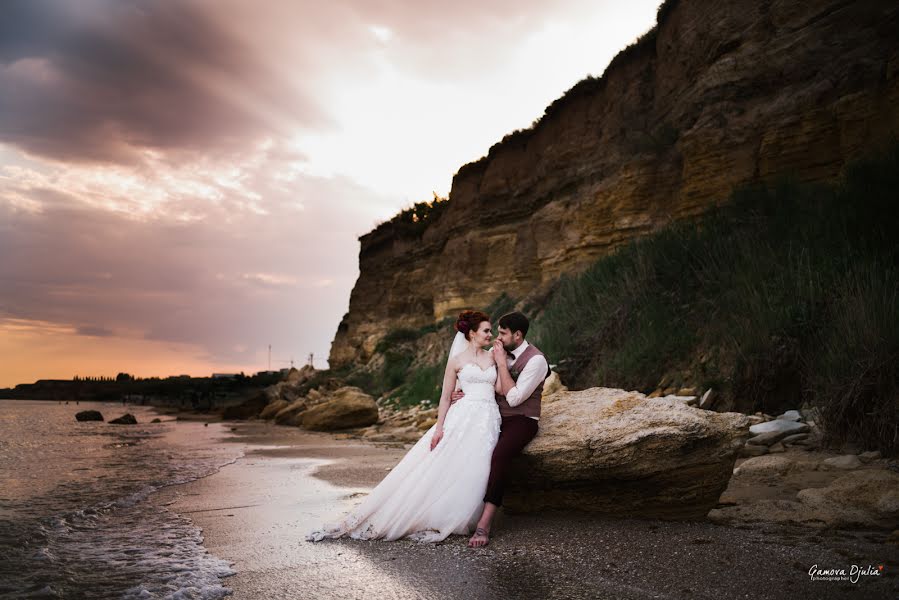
point(510, 355)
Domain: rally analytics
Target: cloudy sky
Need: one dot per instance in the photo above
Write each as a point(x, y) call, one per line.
point(182, 183)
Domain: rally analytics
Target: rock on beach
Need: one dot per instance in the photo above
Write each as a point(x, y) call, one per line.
point(88, 415)
point(623, 454)
point(344, 408)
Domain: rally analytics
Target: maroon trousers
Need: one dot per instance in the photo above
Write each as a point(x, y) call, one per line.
point(514, 435)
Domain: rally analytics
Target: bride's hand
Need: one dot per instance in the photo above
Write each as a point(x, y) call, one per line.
point(438, 435)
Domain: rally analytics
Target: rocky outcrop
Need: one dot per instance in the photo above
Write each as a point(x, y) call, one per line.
point(865, 496)
point(403, 426)
point(298, 376)
point(267, 403)
point(623, 454)
point(717, 96)
point(343, 409)
point(88, 415)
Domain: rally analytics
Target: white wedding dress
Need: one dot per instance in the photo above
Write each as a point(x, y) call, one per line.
point(431, 494)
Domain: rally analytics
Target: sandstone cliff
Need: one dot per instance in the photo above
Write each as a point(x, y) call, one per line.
point(716, 96)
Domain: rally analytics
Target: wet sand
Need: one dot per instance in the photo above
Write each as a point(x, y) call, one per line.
point(256, 512)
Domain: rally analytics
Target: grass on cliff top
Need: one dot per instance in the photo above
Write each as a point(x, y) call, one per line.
point(786, 296)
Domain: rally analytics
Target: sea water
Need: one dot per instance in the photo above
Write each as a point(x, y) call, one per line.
point(74, 517)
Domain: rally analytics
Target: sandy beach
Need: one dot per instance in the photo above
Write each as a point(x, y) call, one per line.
point(255, 512)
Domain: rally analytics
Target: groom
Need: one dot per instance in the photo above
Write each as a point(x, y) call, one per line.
point(521, 378)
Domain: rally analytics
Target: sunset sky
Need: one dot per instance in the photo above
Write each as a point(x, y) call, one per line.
point(183, 183)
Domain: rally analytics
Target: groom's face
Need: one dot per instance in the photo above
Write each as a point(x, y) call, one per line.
point(510, 340)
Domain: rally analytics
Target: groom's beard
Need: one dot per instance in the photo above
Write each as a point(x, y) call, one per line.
point(510, 347)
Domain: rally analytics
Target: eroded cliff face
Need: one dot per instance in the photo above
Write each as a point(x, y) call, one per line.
point(717, 96)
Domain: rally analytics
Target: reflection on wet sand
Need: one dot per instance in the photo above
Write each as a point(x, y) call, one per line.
point(290, 482)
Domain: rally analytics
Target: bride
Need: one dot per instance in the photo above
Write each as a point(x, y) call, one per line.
point(437, 489)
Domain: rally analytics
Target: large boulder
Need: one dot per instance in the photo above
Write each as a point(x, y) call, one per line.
point(283, 390)
point(289, 414)
point(273, 408)
point(88, 415)
point(620, 453)
point(247, 409)
point(343, 408)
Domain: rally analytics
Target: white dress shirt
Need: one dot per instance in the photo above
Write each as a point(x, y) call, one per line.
point(530, 377)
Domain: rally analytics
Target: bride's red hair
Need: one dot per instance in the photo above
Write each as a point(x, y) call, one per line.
point(469, 320)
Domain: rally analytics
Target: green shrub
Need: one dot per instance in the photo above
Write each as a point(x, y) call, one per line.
point(784, 295)
point(501, 305)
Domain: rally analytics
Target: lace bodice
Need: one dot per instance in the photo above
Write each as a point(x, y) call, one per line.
point(477, 383)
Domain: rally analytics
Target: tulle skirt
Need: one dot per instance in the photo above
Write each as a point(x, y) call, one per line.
point(430, 494)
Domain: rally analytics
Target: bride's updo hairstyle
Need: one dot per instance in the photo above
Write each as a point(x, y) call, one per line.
point(469, 320)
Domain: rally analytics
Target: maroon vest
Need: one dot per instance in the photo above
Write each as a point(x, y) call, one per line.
point(531, 406)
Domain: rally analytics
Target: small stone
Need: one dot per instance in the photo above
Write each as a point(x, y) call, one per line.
point(767, 438)
point(686, 391)
point(789, 427)
point(708, 399)
point(655, 394)
point(792, 439)
point(765, 466)
point(775, 448)
point(791, 415)
point(553, 384)
point(847, 461)
point(688, 400)
point(872, 455)
point(727, 499)
point(126, 419)
point(750, 451)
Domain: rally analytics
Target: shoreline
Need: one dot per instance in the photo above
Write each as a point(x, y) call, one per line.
point(255, 512)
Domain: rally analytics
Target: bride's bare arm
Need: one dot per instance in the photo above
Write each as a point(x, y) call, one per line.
point(449, 384)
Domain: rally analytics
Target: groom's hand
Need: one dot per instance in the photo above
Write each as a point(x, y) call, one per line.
point(456, 395)
point(499, 354)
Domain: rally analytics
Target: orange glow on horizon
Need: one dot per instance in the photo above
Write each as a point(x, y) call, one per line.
point(34, 350)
